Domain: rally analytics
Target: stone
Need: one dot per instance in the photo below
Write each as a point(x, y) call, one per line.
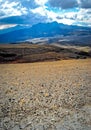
point(39, 127)
point(25, 122)
point(60, 127)
point(16, 127)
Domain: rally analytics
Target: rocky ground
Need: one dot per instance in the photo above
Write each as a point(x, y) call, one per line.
point(46, 96)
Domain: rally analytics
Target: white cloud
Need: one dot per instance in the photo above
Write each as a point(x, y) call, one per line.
point(6, 4)
point(42, 10)
point(65, 21)
point(35, 11)
point(52, 15)
point(5, 26)
point(41, 2)
point(84, 16)
point(65, 18)
point(12, 9)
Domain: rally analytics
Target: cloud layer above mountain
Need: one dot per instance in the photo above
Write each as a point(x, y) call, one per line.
point(64, 5)
point(29, 12)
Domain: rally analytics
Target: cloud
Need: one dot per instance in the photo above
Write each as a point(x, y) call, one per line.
point(63, 4)
point(66, 17)
point(85, 4)
point(40, 10)
point(84, 16)
point(19, 12)
point(26, 3)
point(5, 26)
point(43, 11)
point(80, 17)
point(24, 19)
point(29, 12)
point(41, 2)
point(11, 9)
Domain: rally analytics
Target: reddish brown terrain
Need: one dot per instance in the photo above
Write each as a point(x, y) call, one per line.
point(46, 95)
point(28, 53)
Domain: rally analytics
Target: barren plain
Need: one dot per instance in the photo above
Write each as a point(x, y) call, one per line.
point(46, 95)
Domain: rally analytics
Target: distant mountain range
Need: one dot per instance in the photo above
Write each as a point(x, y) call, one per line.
point(43, 30)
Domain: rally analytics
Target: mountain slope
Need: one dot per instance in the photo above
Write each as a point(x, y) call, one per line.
point(43, 30)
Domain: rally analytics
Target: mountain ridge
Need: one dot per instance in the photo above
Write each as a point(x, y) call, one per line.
point(43, 30)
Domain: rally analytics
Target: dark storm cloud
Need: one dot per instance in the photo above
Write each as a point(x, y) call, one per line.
point(85, 4)
point(23, 19)
point(64, 4)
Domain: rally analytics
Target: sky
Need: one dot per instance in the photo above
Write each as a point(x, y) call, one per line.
point(30, 12)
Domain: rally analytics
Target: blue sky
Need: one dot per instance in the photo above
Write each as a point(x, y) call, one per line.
point(29, 12)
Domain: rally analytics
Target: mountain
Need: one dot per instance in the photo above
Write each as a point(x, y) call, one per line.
point(17, 27)
point(39, 30)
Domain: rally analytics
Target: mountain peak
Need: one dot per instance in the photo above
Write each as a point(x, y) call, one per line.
point(39, 30)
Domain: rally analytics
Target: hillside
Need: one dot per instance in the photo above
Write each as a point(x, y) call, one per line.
point(27, 53)
point(46, 96)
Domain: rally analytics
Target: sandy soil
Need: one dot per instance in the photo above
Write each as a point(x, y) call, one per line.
point(46, 96)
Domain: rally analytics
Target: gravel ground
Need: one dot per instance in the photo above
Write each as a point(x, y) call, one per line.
point(46, 96)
